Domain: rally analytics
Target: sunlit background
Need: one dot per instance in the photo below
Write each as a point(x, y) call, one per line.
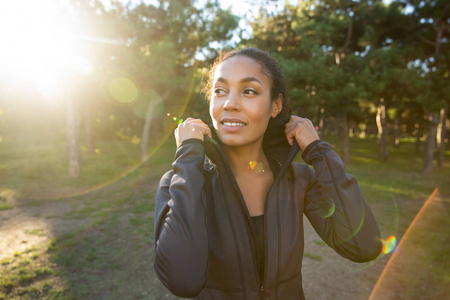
point(91, 91)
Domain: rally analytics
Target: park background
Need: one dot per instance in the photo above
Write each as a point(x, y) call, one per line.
point(90, 92)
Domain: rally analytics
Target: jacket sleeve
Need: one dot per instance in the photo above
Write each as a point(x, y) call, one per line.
point(336, 208)
point(181, 239)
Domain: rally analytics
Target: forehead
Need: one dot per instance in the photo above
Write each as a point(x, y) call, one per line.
point(240, 66)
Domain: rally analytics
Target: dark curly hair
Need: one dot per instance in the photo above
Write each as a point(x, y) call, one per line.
point(270, 68)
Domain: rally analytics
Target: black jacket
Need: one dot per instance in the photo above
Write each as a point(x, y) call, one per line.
point(204, 240)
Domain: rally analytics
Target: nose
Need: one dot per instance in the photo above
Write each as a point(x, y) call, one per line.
point(232, 102)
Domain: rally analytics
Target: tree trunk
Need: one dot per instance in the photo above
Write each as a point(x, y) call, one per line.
point(430, 142)
point(88, 125)
point(337, 130)
point(146, 132)
point(147, 126)
point(417, 133)
point(321, 120)
point(441, 135)
point(326, 127)
point(397, 131)
point(363, 134)
point(383, 148)
point(73, 137)
point(345, 139)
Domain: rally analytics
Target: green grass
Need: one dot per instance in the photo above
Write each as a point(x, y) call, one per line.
point(36, 231)
point(4, 206)
point(42, 165)
point(320, 243)
point(7, 196)
point(312, 256)
point(110, 256)
point(31, 275)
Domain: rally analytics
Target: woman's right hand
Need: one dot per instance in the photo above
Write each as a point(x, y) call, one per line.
point(191, 128)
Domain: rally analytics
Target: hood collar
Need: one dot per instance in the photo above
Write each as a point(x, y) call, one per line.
point(275, 144)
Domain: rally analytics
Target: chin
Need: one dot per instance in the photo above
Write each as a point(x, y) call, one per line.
point(230, 141)
point(236, 141)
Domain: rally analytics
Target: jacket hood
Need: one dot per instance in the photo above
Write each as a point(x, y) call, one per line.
point(275, 143)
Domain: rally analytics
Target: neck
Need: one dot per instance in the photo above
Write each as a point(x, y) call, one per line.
point(247, 160)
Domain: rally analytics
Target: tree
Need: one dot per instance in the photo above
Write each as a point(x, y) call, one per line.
point(166, 38)
point(428, 32)
point(72, 130)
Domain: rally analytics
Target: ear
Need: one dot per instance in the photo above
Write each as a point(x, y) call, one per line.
point(277, 105)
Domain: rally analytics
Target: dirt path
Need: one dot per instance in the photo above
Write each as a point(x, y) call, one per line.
point(29, 224)
point(326, 275)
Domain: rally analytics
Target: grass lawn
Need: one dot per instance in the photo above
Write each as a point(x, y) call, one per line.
point(109, 256)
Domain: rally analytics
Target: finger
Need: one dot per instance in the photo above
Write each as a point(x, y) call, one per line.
point(200, 127)
point(208, 132)
point(290, 130)
point(293, 118)
point(294, 126)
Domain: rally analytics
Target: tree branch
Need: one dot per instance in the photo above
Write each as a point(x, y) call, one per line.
point(427, 41)
point(349, 36)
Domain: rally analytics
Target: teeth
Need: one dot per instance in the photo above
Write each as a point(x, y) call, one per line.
point(233, 124)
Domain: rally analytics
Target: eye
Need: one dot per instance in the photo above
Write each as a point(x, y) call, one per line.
point(219, 91)
point(250, 92)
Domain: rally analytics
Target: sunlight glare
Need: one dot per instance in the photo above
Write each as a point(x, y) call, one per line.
point(41, 47)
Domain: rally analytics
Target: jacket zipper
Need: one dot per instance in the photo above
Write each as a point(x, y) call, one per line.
point(246, 212)
point(275, 180)
point(252, 236)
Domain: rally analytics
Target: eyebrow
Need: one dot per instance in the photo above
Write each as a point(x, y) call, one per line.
point(246, 79)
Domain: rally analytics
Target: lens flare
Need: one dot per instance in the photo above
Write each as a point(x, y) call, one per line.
point(123, 90)
point(389, 244)
point(424, 244)
point(327, 208)
point(148, 105)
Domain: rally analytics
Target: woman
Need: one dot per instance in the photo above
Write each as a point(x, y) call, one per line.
point(229, 216)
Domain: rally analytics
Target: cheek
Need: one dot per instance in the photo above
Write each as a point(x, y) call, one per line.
point(213, 109)
point(261, 113)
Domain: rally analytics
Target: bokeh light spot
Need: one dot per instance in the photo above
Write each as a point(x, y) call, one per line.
point(136, 140)
point(174, 118)
point(180, 121)
point(389, 244)
point(123, 89)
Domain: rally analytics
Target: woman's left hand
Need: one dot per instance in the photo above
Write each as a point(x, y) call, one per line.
point(302, 130)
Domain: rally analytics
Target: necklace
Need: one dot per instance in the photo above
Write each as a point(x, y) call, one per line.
point(256, 166)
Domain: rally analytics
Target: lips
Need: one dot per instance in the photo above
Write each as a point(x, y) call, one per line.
point(232, 124)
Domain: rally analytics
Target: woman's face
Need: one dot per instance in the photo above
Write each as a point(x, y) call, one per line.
point(240, 104)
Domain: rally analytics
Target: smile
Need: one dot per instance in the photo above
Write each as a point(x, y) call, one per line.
point(232, 124)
